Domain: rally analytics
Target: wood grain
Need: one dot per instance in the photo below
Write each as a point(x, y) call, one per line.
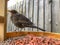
point(49, 34)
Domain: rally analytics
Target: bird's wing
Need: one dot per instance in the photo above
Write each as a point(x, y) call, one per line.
point(24, 20)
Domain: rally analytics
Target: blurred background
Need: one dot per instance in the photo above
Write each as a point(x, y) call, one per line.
point(13, 2)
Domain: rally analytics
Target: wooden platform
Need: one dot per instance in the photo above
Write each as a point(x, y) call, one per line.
point(52, 35)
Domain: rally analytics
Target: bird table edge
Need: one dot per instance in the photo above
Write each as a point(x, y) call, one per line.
point(49, 34)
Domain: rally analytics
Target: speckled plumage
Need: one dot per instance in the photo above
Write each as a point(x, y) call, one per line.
point(21, 21)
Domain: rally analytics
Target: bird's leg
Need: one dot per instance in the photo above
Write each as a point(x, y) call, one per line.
point(15, 30)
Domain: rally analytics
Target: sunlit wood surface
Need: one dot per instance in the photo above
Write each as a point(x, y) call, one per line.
point(52, 35)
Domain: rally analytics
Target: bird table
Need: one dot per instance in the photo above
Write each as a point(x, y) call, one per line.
point(49, 34)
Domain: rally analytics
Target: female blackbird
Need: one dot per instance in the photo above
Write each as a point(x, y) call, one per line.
point(19, 20)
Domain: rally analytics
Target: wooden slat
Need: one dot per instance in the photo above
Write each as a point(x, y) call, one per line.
point(56, 16)
point(3, 13)
point(52, 35)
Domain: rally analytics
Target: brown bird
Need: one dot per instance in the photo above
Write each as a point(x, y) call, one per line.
point(19, 20)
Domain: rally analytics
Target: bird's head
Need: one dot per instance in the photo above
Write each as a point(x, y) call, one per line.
point(13, 11)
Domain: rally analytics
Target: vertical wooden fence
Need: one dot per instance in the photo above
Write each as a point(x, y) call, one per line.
point(43, 13)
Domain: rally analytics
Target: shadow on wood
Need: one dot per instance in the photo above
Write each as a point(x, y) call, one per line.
point(1, 19)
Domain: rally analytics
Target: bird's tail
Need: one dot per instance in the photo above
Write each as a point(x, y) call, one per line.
point(36, 27)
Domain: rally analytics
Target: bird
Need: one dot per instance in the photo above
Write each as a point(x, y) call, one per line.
point(21, 21)
point(50, 1)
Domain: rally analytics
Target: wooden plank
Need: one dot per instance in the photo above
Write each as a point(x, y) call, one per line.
point(3, 25)
point(41, 14)
point(5, 18)
point(47, 16)
point(56, 16)
point(49, 34)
